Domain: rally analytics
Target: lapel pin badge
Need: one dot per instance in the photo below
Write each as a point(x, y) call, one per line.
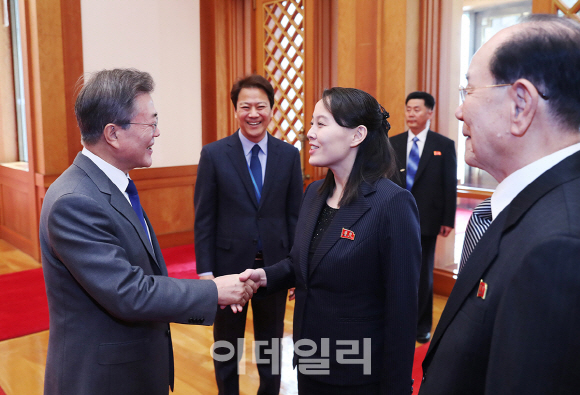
point(437, 153)
point(482, 289)
point(347, 234)
point(402, 170)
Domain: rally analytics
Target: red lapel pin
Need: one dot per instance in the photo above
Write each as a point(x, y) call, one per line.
point(437, 153)
point(347, 234)
point(482, 290)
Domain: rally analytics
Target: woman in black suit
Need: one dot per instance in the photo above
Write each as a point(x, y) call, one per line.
point(356, 257)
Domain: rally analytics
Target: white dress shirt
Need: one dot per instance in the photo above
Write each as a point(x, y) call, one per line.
point(513, 184)
point(422, 136)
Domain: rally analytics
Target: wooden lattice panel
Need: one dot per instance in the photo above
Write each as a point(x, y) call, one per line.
point(283, 47)
point(569, 8)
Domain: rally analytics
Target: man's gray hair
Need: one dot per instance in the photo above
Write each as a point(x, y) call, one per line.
point(108, 97)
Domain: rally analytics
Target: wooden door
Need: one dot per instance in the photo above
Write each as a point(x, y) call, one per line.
point(290, 53)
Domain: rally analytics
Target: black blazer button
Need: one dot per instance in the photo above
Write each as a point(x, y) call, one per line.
point(168, 332)
point(423, 379)
point(255, 241)
point(191, 321)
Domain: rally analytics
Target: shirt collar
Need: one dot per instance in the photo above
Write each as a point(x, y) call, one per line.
point(248, 145)
point(118, 177)
point(513, 184)
point(422, 136)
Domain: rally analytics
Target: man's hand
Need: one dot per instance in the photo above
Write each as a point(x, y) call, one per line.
point(445, 230)
point(232, 291)
point(258, 276)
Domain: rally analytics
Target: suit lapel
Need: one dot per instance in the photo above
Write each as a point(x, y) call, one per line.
point(486, 250)
point(345, 218)
point(120, 203)
point(480, 259)
point(271, 162)
point(401, 153)
point(236, 155)
point(116, 199)
point(158, 256)
point(426, 155)
point(314, 210)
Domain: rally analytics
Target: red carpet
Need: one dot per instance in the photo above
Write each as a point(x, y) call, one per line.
point(180, 261)
point(417, 369)
point(24, 309)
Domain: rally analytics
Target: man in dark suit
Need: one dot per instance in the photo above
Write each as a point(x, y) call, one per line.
point(428, 168)
point(109, 297)
point(240, 225)
point(509, 326)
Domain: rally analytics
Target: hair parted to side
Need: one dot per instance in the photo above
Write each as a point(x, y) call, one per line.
point(427, 98)
point(546, 52)
point(252, 81)
point(375, 157)
point(108, 96)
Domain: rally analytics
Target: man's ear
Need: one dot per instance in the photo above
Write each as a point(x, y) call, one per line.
point(110, 135)
point(525, 99)
point(360, 133)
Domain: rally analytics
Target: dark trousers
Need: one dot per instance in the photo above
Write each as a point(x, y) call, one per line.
point(268, 317)
point(310, 386)
point(425, 306)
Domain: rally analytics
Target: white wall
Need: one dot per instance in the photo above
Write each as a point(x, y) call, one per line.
point(162, 38)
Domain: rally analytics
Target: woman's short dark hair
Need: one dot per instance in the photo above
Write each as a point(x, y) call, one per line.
point(109, 97)
point(252, 81)
point(546, 53)
point(375, 158)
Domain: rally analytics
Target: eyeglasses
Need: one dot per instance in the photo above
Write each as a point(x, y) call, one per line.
point(463, 91)
point(154, 125)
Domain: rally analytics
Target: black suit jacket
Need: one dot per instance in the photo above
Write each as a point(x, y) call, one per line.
point(523, 337)
point(361, 288)
point(435, 186)
point(109, 313)
point(228, 218)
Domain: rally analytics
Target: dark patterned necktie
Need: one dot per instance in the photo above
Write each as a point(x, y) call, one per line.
point(256, 168)
point(476, 227)
point(136, 203)
point(412, 163)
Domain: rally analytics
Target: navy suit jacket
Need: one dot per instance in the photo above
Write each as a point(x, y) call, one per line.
point(435, 186)
point(361, 288)
point(522, 337)
point(228, 217)
point(109, 312)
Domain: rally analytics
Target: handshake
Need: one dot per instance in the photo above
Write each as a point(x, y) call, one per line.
point(235, 290)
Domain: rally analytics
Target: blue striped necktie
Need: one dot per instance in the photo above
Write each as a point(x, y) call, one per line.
point(412, 163)
point(476, 227)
